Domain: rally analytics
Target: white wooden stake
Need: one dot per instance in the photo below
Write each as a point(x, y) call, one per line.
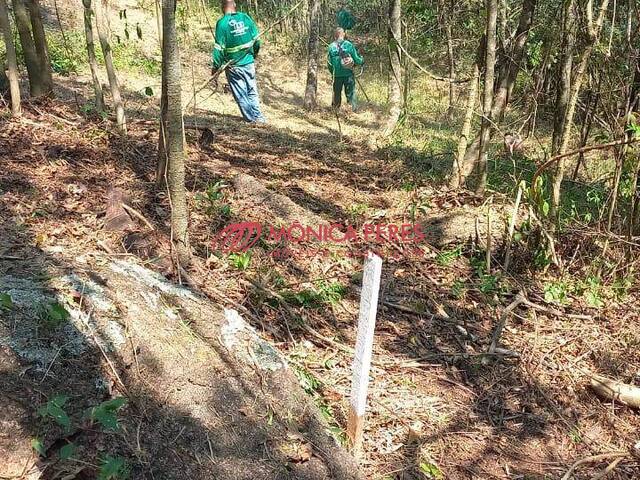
point(364, 349)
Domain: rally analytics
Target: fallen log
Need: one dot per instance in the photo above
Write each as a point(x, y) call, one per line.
point(614, 390)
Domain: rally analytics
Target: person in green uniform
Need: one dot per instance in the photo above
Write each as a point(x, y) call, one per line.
point(342, 56)
point(237, 44)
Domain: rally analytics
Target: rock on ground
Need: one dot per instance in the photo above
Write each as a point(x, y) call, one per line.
point(207, 397)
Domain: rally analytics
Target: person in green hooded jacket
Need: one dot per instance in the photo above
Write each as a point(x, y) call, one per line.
point(342, 56)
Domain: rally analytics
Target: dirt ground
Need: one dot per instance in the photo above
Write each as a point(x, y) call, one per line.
point(439, 407)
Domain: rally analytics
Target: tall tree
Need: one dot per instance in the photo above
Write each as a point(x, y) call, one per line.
point(565, 67)
point(102, 27)
point(395, 63)
point(489, 79)
point(40, 43)
point(37, 83)
point(171, 151)
point(91, 54)
point(593, 35)
point(14, 82)
point(313, 52)
point(510, 65)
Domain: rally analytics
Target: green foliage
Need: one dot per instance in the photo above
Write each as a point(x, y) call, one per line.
point(68, 56)
point(38, 446)
point(558, 292)
point(324, 293)
point(106, 413)
point(113, 468)
point(447, 257)
point(54, 315)
point(128, 56)
point(54, 409)
point(68, 451)
point(6, 302)
point(593, 292)
point(458, 289)
point(431, 471)
point(211, 200)
point(241, 261)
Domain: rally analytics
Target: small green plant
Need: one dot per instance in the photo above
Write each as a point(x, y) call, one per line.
point(557, 292)
point(211, 199)
point(54, 409)
point(241, 261)
point(447, 257)
point(113, 468)
point(68, 451)
point(621, 286)
point(458, 289)
point(54, 315)
point(575, 435)
point(489, 284)
point(106, 413)
point(6, 302)
point(38, 446)
point(324, 293)
point(593, 292)
point(430, 471)
point(357, 210)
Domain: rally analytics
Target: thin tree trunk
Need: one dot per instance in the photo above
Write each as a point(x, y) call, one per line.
point(594, 35)
point(171, 149)
point(395, 75)
point(40, 44)
point(489, 80)
point(504, 89)
point(91, 54)
point(446, 23)
point(37, 85)
point(466, 128)
point(565, 67)
point(14, 82)
point(101, 24)
point(313, 52)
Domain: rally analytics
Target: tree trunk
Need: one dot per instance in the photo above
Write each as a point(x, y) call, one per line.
point(395, 75)
point(313, 52)
point(40, 44)
point(14, 83)
point(114, 86)
point(594, 35)
point(489, 80)
point(37, 84)
point(171, 148)
point(466, 128)
point(91, 54)
point(505, 85)
point(565, 67)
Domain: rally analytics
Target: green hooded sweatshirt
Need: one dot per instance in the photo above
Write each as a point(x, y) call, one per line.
point(236, 40)
point(338, 50)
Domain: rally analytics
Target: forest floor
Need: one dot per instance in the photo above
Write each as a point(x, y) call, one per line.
point(438, 406)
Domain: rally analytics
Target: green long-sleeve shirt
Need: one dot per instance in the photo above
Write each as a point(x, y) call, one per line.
point(236, 40)
point(334, 58)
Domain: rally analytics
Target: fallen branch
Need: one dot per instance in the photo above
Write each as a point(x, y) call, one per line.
point(595, 458)
point(520, 299)
point(552, 160)
point(132, 211)
point(617, 391)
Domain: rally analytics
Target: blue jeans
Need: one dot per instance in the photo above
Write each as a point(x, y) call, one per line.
point(242, 81)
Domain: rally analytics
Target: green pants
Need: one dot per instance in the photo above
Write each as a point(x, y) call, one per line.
point(349, 86)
